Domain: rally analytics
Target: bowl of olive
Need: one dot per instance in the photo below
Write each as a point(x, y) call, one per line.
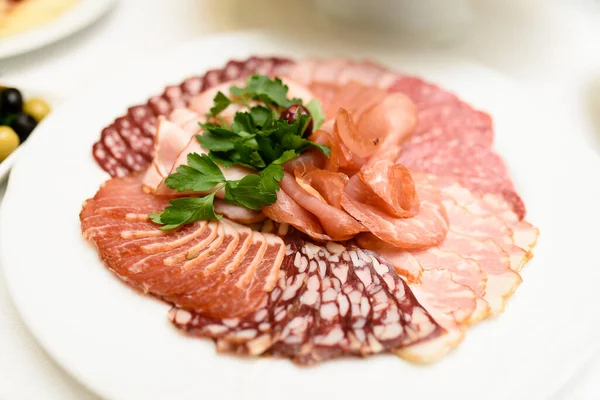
point(20, 112)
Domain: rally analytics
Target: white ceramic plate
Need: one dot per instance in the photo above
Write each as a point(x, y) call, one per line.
point(122, 346)
point(52, 100)
point(80, 16)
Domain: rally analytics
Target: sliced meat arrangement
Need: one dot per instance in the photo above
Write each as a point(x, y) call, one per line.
point(410, 230)
point(237, 265)
point(127, 144)
point(329, 301)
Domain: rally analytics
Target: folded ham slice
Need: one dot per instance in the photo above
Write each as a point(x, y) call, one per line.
point(170, 139)
point(338, 225)
point(427, 228)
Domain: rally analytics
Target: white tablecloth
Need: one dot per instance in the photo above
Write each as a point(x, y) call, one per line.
point(553, 47)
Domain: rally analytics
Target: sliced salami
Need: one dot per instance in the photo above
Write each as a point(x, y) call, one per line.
point(329, 301)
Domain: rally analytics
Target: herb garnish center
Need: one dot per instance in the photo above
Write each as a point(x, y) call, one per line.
point(271, 131)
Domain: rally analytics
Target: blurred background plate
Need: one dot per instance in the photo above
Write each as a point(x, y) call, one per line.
point(82, 14)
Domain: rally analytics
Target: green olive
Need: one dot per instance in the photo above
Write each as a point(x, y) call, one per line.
point(9, 141)
point(37, 108)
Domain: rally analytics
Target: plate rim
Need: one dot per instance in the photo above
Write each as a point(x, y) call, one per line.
point(73, 20)
point(56, 355)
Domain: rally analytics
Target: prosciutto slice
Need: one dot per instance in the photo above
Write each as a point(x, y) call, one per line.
point(427, 228)
point(337, 224)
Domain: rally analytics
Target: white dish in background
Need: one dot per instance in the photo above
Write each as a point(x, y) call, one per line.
point(121, 345)
point(74, 19)
point(426, 20)
point(52, 100)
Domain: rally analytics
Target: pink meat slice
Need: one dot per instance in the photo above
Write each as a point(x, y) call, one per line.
point(502, 281)
point(170, 140)
point(238, 214)
point(337, 223)
point(454, 139)
point(287, 210)
point(187, 119)
point(478, 251)
point(450, 135)
point(517, 237)
point(165, 263)
point(427, 228)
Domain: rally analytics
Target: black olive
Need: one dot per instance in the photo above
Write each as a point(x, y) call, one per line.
point(11, 101)
point(23, 125)
point(291, 113)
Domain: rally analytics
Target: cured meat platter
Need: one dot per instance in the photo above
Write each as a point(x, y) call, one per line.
point(289, 203)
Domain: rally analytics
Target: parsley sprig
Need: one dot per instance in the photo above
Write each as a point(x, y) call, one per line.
point(258, 139)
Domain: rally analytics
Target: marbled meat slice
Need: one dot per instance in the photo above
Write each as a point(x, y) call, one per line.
point(502, 281)
point(483, 230)
point(162, 263)
point(454, 139)
point(329, 301)
point(133, 151)
point(247, 285)
point(522, 233)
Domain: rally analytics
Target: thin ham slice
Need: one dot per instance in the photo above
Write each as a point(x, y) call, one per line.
point(169, 264)
point(326, 185)
point(392, 186)
point(287, 210)
point(427, 228)
point(169, 140)
point(238, 214)
point(187, 119)
point(235, 172)
point(337, 224)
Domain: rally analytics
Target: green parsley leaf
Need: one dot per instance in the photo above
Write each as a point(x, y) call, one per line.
point(292, 141)
point(324, 149)
point(262, 116)
point(316, 112)
point(243, 123)
point(221, 158)
point(270, 177)
point(216, 142)
point(246, 155)
point(285, 157)
point(221, 103)
point(261, 87)
point(258, 139)
point(255, 191)
point(201, 174)
point(185, 211)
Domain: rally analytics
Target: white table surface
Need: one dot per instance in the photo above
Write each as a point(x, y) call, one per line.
point(552, 47)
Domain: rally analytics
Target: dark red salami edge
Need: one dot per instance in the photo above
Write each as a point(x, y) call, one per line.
point(126, 144)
